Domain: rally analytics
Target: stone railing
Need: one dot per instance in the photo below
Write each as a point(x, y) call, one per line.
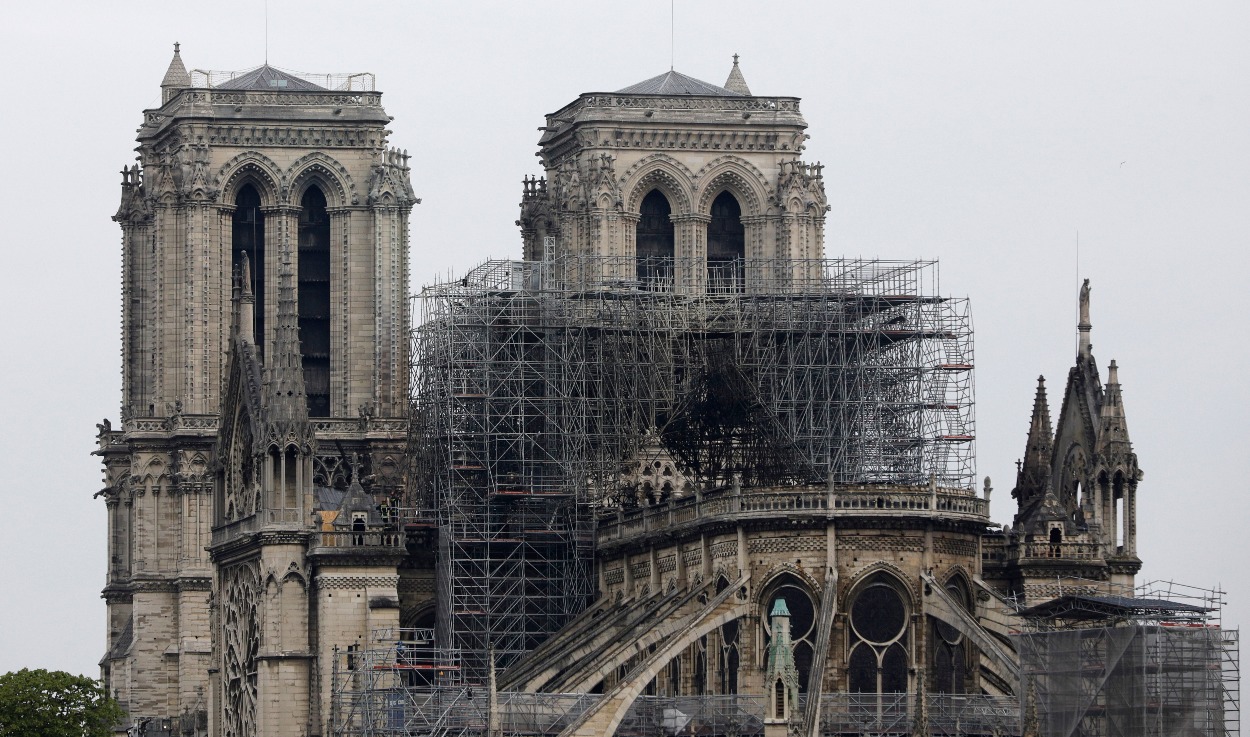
point(322, 426)
point(322, 539)
point(795, 503)
point(355, 426)
point(1064, 550)
point(693, 102)
point(282, 519)
point(172, 423)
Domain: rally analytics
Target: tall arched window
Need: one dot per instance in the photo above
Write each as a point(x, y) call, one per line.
point(950, 656)
point(654, 242)
point(728, 659)
point(248, 236)
point(726, 245)
point(878, 658)
point(314, 301)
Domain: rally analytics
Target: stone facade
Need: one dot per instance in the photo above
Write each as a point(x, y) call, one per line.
point(605, 153)
point(253, 488)
point(184, 215)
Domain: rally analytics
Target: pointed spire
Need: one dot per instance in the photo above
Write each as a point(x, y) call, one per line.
point(780, 664)
point(1112, 425)
point(736, 82)
point(1084, 325)
point(1033, 474)
point(287, 403)
point(1040, 446)
point(247, 302)
point(176, 77)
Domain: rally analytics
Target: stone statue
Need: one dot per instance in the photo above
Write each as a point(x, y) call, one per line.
point(1085, 303)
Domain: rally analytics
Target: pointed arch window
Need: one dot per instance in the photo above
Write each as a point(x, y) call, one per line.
point(654, 242)
point(950, 651)
point(878, 660)
point(314, 300)
point(726, 246)
point(248, 236)
point(729, 658)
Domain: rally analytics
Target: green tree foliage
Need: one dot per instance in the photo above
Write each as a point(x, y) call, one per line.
point(40, 703)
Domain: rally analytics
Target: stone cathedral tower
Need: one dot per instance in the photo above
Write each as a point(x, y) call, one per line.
point(278, 190)
point(675, 180)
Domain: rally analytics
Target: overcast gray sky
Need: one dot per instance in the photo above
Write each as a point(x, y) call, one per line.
point(984, 134)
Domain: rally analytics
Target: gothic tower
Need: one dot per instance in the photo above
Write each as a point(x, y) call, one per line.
point(285, 183)
point(1076, 490)
point(676, 181)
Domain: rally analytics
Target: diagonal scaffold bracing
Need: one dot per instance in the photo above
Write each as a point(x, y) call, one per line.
point(536, 382)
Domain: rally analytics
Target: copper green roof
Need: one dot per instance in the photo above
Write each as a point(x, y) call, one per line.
point(780, 609)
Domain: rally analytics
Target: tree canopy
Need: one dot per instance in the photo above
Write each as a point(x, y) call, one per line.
point(40, 703)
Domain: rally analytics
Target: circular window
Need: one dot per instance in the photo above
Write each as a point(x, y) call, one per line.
point(878, 614)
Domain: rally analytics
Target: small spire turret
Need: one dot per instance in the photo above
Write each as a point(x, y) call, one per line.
point(1112, 425)
point(780, 667)
point(287, 405)
point(1033, 472)
point(176, 77)
point(736, 82)
point(247, 302)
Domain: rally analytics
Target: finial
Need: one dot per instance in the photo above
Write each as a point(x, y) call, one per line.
point(176, 45)
point(1113, 373)
point(735, 58)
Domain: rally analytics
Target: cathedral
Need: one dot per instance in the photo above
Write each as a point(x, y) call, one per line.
point(673, 455)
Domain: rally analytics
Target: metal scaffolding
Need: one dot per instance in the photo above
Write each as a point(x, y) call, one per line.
point(537, 381)
point(1164, 667)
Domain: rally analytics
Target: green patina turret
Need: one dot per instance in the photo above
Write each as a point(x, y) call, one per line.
point(782, 676)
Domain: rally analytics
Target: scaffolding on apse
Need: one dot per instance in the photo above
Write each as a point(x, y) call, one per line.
point(1156, 664)
point(537, 381)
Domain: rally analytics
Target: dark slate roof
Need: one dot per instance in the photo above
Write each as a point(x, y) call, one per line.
point(265, 77)
point(676, 83)
point(328, 498)
point(1110, 607)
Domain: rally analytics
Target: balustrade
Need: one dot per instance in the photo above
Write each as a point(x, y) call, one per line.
point(854, 501)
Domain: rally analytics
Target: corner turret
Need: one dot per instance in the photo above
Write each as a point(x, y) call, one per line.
point(176, 77)
point(736, 82)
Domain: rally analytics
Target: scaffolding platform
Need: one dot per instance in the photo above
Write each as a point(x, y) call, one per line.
point(1156, 664)
point(536, 381)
